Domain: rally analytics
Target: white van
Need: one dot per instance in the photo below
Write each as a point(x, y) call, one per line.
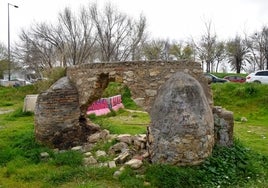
point(258, 77)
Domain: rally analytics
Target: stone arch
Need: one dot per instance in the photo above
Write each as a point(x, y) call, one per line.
point(101, 84)
point(88, 82)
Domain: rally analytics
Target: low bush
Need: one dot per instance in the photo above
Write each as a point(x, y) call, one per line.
point(50, 77)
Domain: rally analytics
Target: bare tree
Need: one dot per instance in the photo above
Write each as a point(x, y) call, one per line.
point(93, 35)
point(156, 50)
point(34, 53)
point(256, 48)
point(3, 51)
point(3, 59)
point(264, 41)
point(259, 48)
point(77, 36)
point(69, 42)
point(117, 35)
point(207, 46)
point(138, 38)
point(220, 54)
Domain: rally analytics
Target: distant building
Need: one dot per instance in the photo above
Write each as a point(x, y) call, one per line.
point(18, 77)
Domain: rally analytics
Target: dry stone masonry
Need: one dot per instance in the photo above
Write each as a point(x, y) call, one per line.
point(57, 117)
point(182, 129)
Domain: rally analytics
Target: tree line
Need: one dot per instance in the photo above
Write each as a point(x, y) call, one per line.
point(105, 34)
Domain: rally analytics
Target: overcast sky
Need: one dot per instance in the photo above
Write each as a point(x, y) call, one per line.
point(166, 19)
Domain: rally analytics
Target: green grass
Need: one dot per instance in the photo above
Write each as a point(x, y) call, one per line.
point(13, 97)
point(123, 121)
point(243, 165)
point(249, 101)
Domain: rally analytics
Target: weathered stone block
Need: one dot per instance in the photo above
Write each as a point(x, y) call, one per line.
point(182, 128)
point(224, 125)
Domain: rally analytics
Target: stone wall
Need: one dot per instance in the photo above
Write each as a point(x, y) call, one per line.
point(57, 117)
point(143, 78)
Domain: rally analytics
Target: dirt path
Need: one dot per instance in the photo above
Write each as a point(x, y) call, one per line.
point(4, 111)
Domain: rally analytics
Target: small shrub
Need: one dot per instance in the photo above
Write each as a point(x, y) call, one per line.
point(115, 88)
point(251, 89)
point(51, 75)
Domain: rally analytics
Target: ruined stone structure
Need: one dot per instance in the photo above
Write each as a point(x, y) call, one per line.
point(142, 78)
point(57, 113)
point(60, 114)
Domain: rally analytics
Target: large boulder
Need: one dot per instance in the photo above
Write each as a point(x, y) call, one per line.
point(182, 127)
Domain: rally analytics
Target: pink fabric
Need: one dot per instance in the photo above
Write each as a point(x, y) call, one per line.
point(101, 106)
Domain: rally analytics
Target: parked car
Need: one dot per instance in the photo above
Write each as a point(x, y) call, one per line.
point(234, 78)
point(258, 77)
point(214, 79)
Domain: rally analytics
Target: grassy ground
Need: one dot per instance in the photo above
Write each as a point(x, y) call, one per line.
point(243, 165)
point(249, 102)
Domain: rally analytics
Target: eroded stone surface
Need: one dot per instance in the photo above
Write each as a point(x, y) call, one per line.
point(182, 129)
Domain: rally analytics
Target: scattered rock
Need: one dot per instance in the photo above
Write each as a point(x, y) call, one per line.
point(90, 161)
point(111, 164)
point(88, 147)
point(117, 173)
point(100, 153)
point(126, 138)
point(77, 148)
point(44, 155)
point(122, 157)
point(118, 148)
point(100, 135)
point(134, 163)
point(103, 165)
point(244, 119)
point(88, 154)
